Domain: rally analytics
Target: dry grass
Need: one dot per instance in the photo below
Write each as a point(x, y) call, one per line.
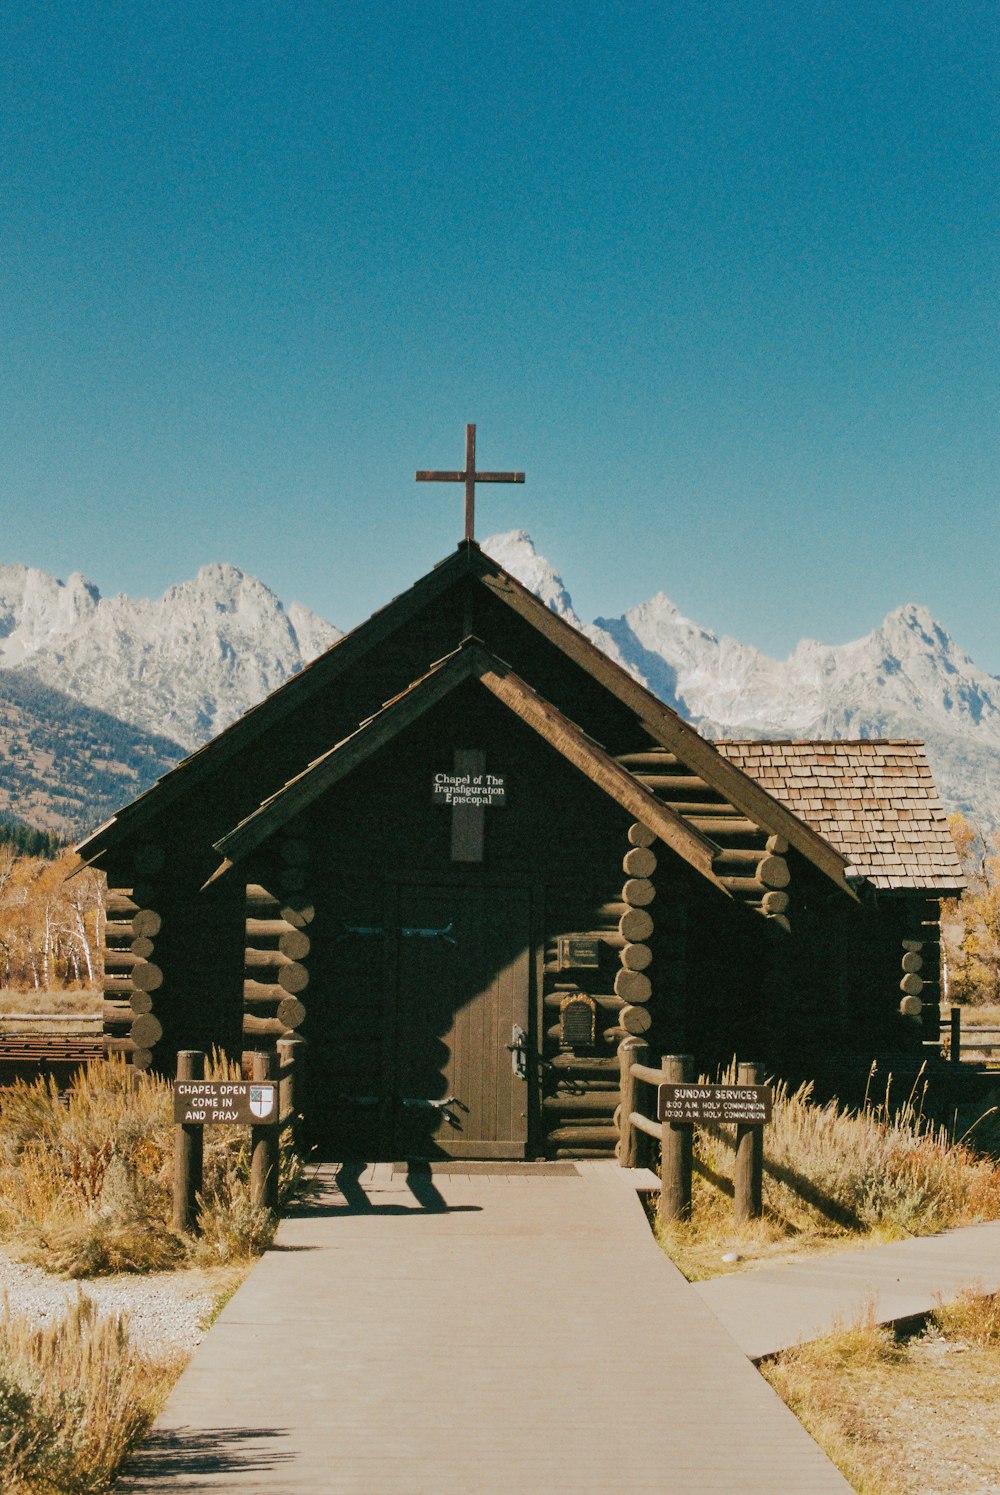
point(41, 1002)
point(979, 1017)
point(900, 1417)
point(833, 1178)
point(74, 1398)
point(85, 1179)
point(972, 1318)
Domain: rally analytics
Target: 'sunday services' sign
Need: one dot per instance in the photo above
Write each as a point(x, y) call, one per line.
point(480, 789)
point(237, 1102)
point(737, 1105)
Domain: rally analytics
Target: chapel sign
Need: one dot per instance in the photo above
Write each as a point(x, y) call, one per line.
point(483, 791)
point(216, 1102)
point(703, 1105)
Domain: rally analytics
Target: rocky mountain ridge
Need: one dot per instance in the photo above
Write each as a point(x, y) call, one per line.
point(907, 678)
point(179, 669)
point(185, 665)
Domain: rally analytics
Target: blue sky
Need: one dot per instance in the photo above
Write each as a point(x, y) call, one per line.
point(721, 279)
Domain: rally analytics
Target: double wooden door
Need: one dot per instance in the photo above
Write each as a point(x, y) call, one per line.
point(438, 1061)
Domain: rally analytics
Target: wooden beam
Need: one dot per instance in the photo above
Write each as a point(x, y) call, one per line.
point(599, 766)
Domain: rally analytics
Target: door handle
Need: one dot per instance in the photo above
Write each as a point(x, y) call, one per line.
point(419, 1103)
point(518, 1051)
point(446, 1108)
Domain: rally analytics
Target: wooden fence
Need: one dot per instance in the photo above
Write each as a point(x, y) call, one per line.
point(639, 1127)
point(968, 1043)
point(32, 1043)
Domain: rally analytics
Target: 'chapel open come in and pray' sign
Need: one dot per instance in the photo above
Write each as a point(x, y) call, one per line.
point(234, 1102)
point(735, 1105)
point(483, 790)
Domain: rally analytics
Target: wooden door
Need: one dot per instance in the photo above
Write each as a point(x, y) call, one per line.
point(348, 1029)
point(463, 981)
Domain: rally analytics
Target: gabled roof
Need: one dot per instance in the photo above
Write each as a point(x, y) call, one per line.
point(875, 801)
point(323, 672)
point(661, 725)
point(472, 661)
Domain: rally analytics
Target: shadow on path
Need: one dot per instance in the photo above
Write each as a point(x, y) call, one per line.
point(170, 1455)
point(346, 1196)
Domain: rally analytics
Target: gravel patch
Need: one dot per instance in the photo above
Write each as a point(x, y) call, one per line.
point(167, 1310)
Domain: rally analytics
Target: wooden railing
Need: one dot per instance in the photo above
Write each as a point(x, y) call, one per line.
point(639, 1127)
point(960, 1042)
point(31, 1039)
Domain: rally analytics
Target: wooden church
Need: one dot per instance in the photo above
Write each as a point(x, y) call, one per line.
point(464, 855)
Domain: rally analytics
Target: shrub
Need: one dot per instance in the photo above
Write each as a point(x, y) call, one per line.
point(74, 1397)
point(972, 1317)
point(85, 1179)
point(830, 1172)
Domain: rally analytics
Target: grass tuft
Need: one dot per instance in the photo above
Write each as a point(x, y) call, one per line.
point(898, 1414)
point(827, 1385)
point(834, 1176)
point(973, 1318)
point(74, 1398)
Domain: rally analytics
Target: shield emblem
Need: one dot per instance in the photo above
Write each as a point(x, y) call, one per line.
point(261, 1100)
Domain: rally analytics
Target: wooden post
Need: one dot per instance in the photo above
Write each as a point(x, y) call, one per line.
point(677, 1151)
point(748, 1167)
point(955, 1046)
point(633, 1148)
point(292, 1085)
point(264, 1143)
point(188, 1150)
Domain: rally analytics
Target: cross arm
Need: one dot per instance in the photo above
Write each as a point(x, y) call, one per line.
point(462, 477)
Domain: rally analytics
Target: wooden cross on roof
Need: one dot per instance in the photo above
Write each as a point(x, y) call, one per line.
point(470, 477)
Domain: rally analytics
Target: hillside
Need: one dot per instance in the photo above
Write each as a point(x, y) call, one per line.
point(191, 662)
point(65, 767)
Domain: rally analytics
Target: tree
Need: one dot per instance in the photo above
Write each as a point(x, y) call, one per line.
point(50, 928)
point(973, 921)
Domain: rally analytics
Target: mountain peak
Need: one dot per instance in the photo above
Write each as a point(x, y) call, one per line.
point(188, 663)
point(905, 679)
point(515, 551)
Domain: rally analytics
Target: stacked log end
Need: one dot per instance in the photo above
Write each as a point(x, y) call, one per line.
point(911, 982)
point(584, 1083)
point(633, 984)
point(277, 947)
point(751, 862)
point(131, 975)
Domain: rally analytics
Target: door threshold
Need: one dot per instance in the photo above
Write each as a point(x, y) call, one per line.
point(497, 1167)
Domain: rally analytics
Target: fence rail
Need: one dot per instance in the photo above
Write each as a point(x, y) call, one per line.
point(50, 1048)
point(958, 1041)
point(640, 1084)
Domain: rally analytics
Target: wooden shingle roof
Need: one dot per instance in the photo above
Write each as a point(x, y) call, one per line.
point(875, 801)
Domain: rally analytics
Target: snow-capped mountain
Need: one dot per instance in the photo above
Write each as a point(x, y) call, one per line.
point(908, 678)
point(186, 665)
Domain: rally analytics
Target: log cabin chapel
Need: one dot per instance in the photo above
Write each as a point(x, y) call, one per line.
point(466, 855)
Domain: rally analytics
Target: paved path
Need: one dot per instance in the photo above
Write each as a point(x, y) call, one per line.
point(767, 1309)
point(467, 1334)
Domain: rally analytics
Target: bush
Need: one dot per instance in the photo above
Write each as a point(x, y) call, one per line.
point(85, 1179)
point(74, 1397)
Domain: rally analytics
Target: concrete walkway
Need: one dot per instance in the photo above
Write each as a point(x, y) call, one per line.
point(767, 1309)
point(475, 1332)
